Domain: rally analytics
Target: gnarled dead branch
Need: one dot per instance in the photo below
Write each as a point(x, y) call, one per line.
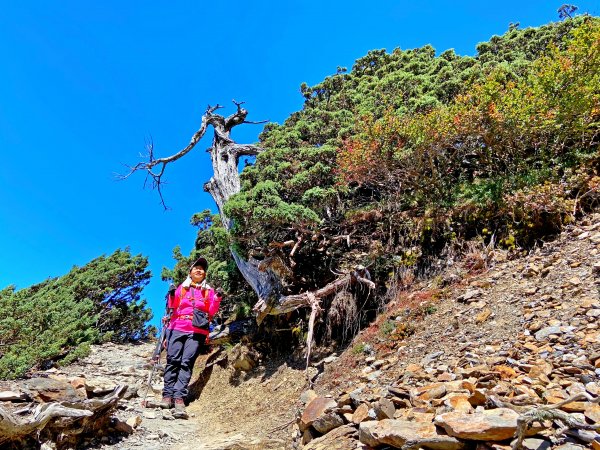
point(224, 151)
point(59, 419)
point(552, 413)
point(289, 303)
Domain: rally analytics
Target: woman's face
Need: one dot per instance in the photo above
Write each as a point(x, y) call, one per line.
point(197, 274)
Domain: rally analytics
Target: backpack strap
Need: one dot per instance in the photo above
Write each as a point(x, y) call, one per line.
point(176, 303)
point(204, 294)
point(182, 293)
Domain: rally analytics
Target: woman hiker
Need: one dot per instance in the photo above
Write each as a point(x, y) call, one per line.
point(190, 310)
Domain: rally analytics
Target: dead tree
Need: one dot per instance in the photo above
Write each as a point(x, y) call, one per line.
point(224, 183)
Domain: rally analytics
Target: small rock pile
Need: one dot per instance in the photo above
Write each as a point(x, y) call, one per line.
point(512, 353)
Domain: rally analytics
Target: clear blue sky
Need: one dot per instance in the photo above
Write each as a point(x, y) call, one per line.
point(83, 85)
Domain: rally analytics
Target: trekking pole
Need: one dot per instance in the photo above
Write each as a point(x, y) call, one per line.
point(156, 359)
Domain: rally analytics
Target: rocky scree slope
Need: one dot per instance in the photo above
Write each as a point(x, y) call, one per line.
point(495, 361)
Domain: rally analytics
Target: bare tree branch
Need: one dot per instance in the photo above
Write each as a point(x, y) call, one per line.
point(552, 413)
point(315, 310)
point(223, 147)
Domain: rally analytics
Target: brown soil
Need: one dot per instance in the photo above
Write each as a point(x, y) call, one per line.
point(254, 408)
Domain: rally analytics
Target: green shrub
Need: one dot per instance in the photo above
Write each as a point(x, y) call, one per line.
point(54, 322)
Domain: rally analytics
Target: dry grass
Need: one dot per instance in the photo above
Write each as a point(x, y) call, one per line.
point(343, 314)
point(477, 256)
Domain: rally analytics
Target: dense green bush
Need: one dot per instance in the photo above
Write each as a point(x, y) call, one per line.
point(57, 320)
point(409, 152)
point(501, 156)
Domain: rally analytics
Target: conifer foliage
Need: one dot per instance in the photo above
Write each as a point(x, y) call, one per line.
point(410, 153)
point(55, 321)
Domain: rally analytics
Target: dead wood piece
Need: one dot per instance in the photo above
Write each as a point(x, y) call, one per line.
point(554, 414)
point(316, 309)
point(53, 415)
point(289, 303)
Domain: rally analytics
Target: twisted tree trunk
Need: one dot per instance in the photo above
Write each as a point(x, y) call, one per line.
point(224, 183)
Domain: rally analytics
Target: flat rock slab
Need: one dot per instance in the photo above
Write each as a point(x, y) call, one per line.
point(489, 425)
point(342, 438)
point(12, 396)
point(398, 433)
point(317, 407)
point(45, 390)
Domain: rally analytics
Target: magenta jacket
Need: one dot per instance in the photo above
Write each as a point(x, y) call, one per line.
point(205, 299)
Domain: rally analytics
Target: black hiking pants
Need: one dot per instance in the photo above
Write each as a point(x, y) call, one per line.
point(182, 351)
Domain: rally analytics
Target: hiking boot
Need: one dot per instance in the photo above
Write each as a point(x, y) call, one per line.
point(166, 403)
point(180, 412)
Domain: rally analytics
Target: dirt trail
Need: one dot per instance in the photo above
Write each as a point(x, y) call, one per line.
point(253, 411)
point(233, 410)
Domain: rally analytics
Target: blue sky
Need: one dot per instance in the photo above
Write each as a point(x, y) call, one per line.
point(83, 86)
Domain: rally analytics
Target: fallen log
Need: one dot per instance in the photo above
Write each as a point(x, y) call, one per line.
point(289, 303)
point(63, 423)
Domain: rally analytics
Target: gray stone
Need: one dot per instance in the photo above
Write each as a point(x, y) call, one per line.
point(327, 422)
point(428, 359)
point(536, 444)
point(49, 389)
point(12, 396)
point(373, 375)
point(384, 409)
point(342, 438)
point(470, 295)
point(149, 414)
point(307, 396)
point(99, 386)
point(547, 331)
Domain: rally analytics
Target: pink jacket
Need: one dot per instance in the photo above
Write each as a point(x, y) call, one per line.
point(205, 299)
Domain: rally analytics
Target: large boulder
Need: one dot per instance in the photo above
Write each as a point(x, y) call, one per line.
point(45, 390)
